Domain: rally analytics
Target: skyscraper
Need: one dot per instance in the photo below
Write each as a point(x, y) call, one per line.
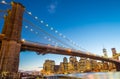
point(114, 54)
point(48, 66)
point(65, 63)
point(105, 53)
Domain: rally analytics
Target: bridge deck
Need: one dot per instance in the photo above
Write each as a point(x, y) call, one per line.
point(44, 49)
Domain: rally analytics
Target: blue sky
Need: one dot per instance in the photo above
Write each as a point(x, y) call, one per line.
point(93, 24)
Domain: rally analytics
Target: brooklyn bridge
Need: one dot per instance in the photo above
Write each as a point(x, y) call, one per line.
point(11, 43)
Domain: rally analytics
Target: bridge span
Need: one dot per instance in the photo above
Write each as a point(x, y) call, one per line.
point(46, 49)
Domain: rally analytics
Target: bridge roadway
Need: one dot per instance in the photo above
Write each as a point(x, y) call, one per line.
point(45, 49)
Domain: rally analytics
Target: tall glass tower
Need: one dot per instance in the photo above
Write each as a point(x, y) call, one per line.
point(105, 52)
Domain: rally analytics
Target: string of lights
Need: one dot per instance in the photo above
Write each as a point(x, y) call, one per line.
point(40, 29)
point(45, 37)
point(41, 35)
point(50, 28)
point(54, 30)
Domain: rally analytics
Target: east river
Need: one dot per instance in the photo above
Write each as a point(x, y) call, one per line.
point(100, 75)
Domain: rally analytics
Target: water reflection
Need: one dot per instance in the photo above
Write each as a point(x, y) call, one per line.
point(100, 75)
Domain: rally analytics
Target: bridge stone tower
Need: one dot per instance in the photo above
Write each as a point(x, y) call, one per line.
point(10, 48)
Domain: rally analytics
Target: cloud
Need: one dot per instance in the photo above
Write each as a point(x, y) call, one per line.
point(52, 7)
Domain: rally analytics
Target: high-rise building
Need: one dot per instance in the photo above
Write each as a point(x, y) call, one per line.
point(99, 66)
point(56, 68)
point(70, 67)
point(65, 60)
point(105, 66)
point(88, 65)
point(65, 64)
point(71, 59)
point(93, 64)
point(48, 66)
point(82, 64)
point(61, 68)
point(105, 53)
point(114, 54)
point(73, 64)
point(111, 66)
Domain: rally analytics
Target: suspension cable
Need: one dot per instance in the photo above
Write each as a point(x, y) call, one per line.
point(46, 32)
point(55, 31)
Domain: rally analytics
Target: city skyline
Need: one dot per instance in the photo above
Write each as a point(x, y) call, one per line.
point(72, 65)
point(94, 25)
